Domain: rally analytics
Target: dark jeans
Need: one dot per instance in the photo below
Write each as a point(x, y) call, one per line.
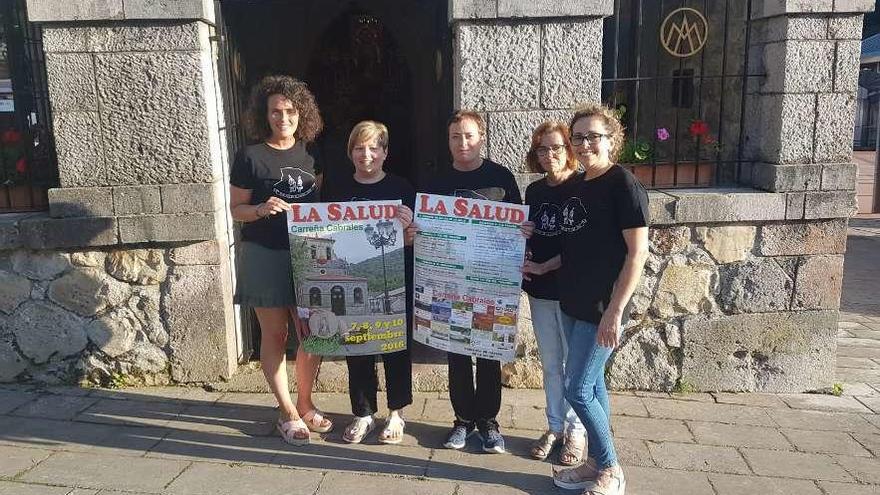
point(363, 382)
point(474, 405)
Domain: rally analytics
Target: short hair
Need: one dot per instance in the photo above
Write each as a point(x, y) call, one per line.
point(542, 130)
point(460, 115)
point(366, 130)
point(257, 118)
point(609, 118)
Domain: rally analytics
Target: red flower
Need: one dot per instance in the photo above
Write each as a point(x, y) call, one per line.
point(699, 128)
point(21, 166)
point(10, 136)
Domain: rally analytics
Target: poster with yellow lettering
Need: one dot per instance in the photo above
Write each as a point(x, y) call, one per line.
point(348, 267)
point(468, 257)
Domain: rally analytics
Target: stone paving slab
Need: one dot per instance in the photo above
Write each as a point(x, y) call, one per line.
point(131, 412)
point(11, 400)
point(821, 421)
point(728, 484)
point(794, 465)
point(339, 483)
point(698, 458)
point(870, 441)
point(655, 481)
point(756, 400)
point(61, 407)
point(104, 471)
point(864, 470)
point(207, 446)
point(15, 488)
point(17, 460)
point(760, 437)
point(831, 488)
point(821, 402)
point(657, 430)
point(711, 412)
point(825, 442)
point(226, 479)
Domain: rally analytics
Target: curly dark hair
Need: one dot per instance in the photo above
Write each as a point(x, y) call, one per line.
point(257, 120)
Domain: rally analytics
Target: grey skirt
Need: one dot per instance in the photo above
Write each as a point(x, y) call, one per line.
point(264, 278)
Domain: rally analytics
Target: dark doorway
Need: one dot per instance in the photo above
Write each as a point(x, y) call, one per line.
point(337, 300)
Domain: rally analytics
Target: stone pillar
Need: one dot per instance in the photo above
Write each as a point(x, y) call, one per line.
point(520, 63)
point(132, 87)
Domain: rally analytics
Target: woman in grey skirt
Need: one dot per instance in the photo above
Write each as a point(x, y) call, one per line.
point(265, 178)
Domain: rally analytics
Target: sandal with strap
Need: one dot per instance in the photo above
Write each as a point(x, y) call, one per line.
point(358, 429)
point(293, 432)
point(392, 433)
point(542, 447)
point(609, 482)
point(577, 478)
point(573, 447)
point(317, 422)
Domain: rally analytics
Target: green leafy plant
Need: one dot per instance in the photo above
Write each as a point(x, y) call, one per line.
point(636, 151)
point(14, 165)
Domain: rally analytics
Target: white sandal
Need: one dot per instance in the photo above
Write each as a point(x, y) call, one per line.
point(393, 425)
point(358, 429)
point(289, 429)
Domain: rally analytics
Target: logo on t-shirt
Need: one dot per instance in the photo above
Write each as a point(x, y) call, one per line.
point(574, 215)
point(295, 183)
point(548, 220)
point(490, 193)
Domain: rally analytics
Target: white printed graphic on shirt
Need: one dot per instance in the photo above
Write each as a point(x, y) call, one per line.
point(295, 183)
point(490, 193)
point(574, 215)
point(547, 220)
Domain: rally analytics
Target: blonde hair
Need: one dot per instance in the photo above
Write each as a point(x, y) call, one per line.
point(366, 130)
point(542, 130)
point(609, 118)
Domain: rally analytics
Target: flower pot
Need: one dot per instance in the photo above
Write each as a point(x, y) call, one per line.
point(23, 198)
point(669, 175)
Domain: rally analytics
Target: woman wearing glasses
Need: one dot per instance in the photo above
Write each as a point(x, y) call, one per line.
point(603, 250)
point(551, 154)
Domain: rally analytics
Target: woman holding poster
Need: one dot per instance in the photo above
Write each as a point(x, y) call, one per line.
point(551, 154)
point(265, 178)
point(603, 251)
point(368, 149)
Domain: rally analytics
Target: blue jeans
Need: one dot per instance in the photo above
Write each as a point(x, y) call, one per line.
point(585, 388)
point(547, 321)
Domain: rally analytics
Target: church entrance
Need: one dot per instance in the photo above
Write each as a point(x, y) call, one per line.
point(337, 300)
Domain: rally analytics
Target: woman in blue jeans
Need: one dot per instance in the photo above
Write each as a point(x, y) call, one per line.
point(603, 250)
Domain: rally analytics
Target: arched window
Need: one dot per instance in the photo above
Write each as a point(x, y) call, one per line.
point(315, 296)
point(314, 252)
point(358, 295)
point(329, 253)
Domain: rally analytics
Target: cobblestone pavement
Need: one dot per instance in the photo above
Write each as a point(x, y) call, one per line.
point(186, 441)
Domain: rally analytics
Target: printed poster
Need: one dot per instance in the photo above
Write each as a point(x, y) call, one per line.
point(468, 257)
point(348, 267)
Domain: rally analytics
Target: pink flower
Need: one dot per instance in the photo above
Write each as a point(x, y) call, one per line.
point(699, 128)
point(662, 134)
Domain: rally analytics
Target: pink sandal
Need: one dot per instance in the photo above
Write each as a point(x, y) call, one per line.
point(292, 432)
point(316, 421)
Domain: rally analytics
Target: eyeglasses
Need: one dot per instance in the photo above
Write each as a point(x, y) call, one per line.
point(590, 137)
point(545, 150)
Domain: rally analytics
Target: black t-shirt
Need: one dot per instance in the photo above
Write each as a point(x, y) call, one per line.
point(288, 174)
point(593, 249)
point(488, 181)
point(545, 210)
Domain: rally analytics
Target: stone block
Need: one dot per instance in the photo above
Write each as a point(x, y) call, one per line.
point(806, 27)
point(155, 103)
point(200, 253)
point(845, 27)
point(857, 6)
point(88, 291)
point(798, 67)
point(80, 202)
point(71, 81)
point(571, 68)
point(170, 9)
point(695, 206)
point(80, 149)
point(43, 330)
point(834, 127)
point(684, 289)
point(839, 176)
point(670, 240)
point(786, 131)
point(803, 238)
point(93, 259)
point(727, 243)
point(136, 200)
point(472, 9)
point(138, 266)
point(49, 233)
point(846, 66)
point(117, 37)
point(198, 304)
point(189, 198)
point(14, 290)
point(508, 56)
point(771, 352)
point(662, 207)
point(11, 362)
point(74, 10)
point(510, 134)
point(819, 282)
point(114, 333)
point(9, 237)
point(645, 360)
point(555, 8)
point(755, 286)
point(837, 204)
point(771, 8)
point(166, 228)
point(40, 265)
point(794, 206)
point(783, 178)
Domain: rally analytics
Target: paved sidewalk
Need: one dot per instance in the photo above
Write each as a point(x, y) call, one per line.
point(184, 441)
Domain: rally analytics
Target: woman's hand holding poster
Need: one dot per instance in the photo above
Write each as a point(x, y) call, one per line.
point(468, 256)
point(348, 270)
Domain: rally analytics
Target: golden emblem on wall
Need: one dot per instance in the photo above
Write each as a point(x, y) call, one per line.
point(684, 32)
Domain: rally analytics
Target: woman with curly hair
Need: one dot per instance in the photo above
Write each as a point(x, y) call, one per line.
point(265, 178)
point(603, 249)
